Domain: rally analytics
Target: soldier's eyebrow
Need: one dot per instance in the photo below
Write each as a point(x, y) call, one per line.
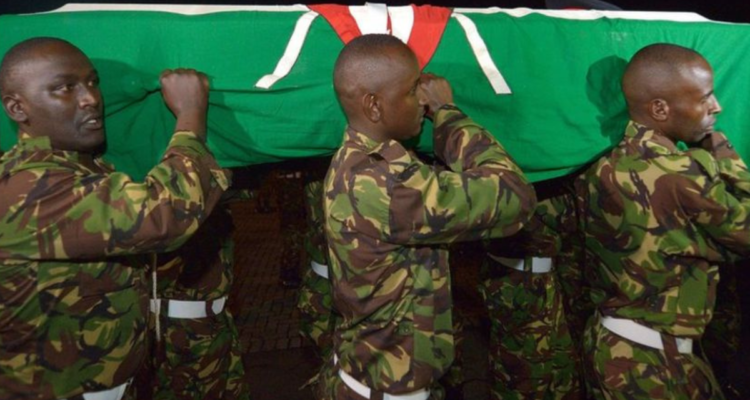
point(64, 76)
point(707, 95)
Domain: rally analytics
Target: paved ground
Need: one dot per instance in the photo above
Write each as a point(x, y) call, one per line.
point(277, 360)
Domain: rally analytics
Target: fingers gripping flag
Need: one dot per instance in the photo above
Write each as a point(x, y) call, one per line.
point(420, 27)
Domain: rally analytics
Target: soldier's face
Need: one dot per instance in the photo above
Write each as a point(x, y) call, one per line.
point(403, 101)
point(693, 108)
point(61, 98)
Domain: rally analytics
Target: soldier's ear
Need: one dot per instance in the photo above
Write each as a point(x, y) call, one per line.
point(372, 107)
point(13, 105)
point(658, 109)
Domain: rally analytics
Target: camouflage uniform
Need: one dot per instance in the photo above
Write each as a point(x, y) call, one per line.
point(658, 223)
point(532, 355)
point(386, 215)
point(315, 301)
point(73, 301)
point(199, 358)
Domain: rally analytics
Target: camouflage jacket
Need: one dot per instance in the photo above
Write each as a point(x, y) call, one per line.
point(553, 227)
point(73, 302)
point(201, 269)
point(658, 221)
point(386, 215)
point(315, 240)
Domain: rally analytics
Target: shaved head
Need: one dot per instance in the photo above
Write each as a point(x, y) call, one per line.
point(376, 78)
point(365, 65)
point(656, 71)
point(20, 54)
point(670, 88)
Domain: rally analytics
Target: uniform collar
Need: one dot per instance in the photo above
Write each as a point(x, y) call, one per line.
point(389, 150)
point(649, 138)
point(28, 144)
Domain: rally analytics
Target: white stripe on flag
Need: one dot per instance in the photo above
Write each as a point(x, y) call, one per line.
point(293, 48)
point(590, 14)
point(371, 17)
point(402, 22)
point(483, 55)
point(174, 8)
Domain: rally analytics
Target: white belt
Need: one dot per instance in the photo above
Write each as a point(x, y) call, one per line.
point(319, 269)
point(539, 265)
point(364, 391)
point(115, 393)
point(189, 309)
point(644, 335)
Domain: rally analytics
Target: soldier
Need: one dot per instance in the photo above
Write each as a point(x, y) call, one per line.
point(317, 318)
point(197, 353)
point(73, 302)
point(659, 221)
point(387, 215)
point(532, 354)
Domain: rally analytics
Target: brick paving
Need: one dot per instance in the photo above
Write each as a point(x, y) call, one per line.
point(265, 311)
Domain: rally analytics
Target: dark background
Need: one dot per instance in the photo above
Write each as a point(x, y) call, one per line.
point(720, 10)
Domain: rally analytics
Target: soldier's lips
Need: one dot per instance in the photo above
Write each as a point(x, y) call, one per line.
point(93, 123)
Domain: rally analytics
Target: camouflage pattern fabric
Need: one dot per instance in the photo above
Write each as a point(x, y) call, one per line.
point(73, 302)
point(202, 360)
point(658, 222)
point(531, 352)
point(451, 383)
point(199, 358)
point(317, 319)
point(627, 370)
point(315, 239)
point(532, 355)
point(386, 213)
point(315, 301)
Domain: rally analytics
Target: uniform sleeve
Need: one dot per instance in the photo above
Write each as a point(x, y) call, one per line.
point(483, 195)
point(543, 236)
point(60, 213)
point(721, 207)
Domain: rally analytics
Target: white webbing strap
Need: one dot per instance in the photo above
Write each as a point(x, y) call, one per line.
point(644, 335)
point(155, 297)
point(293, 49)
point(320, 269)
point(482, 55)
point(115, 393)
point(539, 265)
point(365, 391)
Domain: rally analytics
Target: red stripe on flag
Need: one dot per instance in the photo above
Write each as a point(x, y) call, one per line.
point(429, 25)
point(340, 19)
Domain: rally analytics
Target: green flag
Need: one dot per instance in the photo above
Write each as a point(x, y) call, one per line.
point(563, 70)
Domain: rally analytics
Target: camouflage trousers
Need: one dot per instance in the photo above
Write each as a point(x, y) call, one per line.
point(531, 352)
point(627, 370)
point(199, 359)
point(317, 319)
point(331, 387)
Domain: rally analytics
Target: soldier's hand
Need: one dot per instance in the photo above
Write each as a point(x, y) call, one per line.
point(185, 93)
point(436, 92)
